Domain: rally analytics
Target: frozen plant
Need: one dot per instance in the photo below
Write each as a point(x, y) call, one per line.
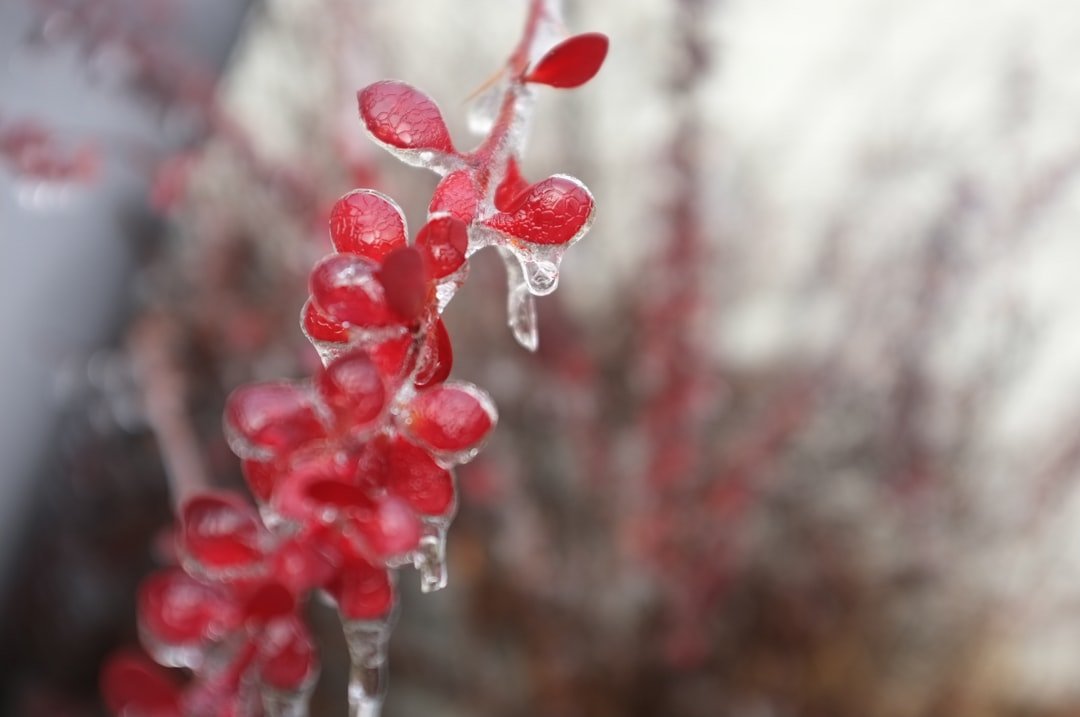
point(351, 470)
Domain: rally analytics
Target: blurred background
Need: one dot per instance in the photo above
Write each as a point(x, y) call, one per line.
point(802, 437)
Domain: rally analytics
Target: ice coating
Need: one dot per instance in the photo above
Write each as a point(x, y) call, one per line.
point(451, 420)
point(345, 287)
point(555, 211)
point(178, 616)
point(289, 669)
point(484, 107)
point(222, 538)
point(401, 116)
point(457, 194)
point(369, 223)
point(287, 703)
point(448, 286)
point(262, 420)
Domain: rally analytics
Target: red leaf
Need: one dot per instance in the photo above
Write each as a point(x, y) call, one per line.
point(415, 477)
point(511, 187)
point(270, 418)
point(303, 493)
point(302, 562)
point(458, 195)
point(338, 495)
point(362, 590)
point(287, 654)
point(270, 602)
point(353, 389)
point(401, 116)
point(394, 357)
point(451, 417)
point(261, 477)
point(345, 289)
point(221, 532)
point(320, 327)
point(572, 62)
point(404, 281)
point(443, 242)
point(131, 684)
point(367, 222)
point(437, 356)
point(177, 613)
point(556, 210)
point(392, 529)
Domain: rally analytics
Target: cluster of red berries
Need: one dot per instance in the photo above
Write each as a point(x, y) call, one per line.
point(351, 469)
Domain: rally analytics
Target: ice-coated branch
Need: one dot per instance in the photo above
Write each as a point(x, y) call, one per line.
point(351, 469)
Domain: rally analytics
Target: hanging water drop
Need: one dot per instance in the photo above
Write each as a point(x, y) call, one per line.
point(541, 276)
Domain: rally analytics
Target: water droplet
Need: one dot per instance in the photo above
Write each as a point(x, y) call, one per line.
point(542, 276)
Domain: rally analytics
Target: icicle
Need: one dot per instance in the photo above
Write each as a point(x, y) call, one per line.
point(430, 557)
point(520, 305)
point(367, 642)
point(277, 703)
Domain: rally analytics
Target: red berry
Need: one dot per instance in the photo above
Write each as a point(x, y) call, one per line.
point(451, 417)
point(457, 195)
point(405, 284)
point(403, 117)
point(132, 685)
point(363, 591)
point(261, 477)
point(572, 62)
point(442, 243)
point(556, 210)
point(436, 357)
point(416, 478)
point(270, 419)
point(367, 222)
point(344, 287)
point(353, 389)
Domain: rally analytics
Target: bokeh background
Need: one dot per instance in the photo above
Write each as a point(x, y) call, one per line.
point(802, 437)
